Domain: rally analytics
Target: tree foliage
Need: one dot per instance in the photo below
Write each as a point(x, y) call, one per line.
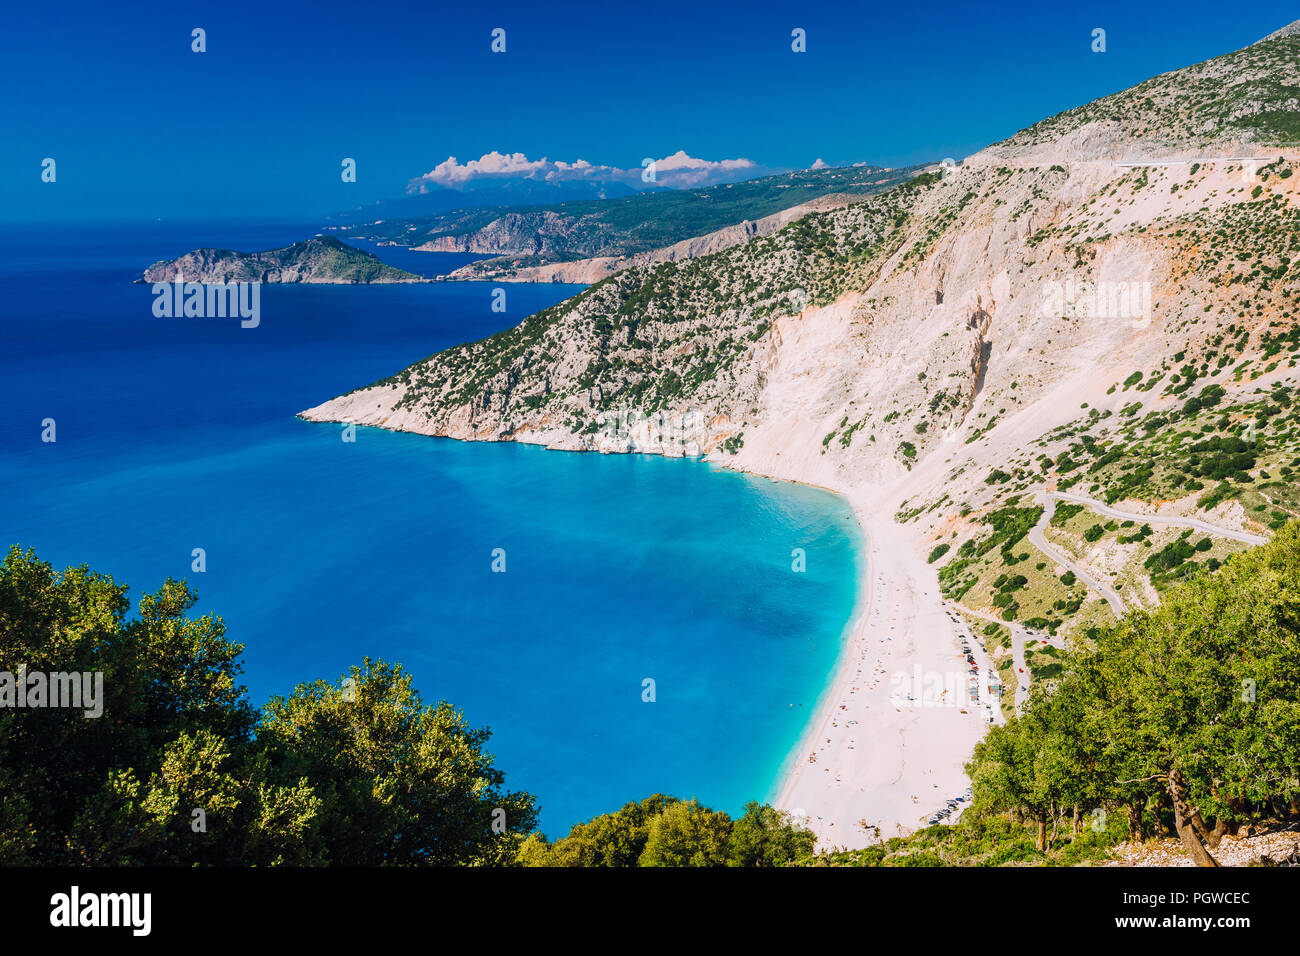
point(181, 769)
point(665, 831)
point(1188, 712)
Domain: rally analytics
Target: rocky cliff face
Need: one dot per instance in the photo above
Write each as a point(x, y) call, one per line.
point(978, 318)
point(665, 338)
point(319, 260)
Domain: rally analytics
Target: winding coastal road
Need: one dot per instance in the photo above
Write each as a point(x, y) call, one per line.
point(1183, 520)
point(1020, 634)
point(1039, 540)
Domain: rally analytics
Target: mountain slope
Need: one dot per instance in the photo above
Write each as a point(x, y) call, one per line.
point(318, 260)
point(949, 348)
point(1234, 104)
point(596, 268)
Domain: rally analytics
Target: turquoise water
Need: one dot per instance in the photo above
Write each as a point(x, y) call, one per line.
point(175, 434)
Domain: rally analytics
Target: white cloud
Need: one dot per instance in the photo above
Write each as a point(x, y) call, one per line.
point(820, 163)
point(677, 171)
point(683, 172)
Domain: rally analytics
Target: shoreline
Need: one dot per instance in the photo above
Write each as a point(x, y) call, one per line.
point(822, 709)
point(886, 766)
point(874, 762)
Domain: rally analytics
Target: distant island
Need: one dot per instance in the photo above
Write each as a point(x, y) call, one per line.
point(322, 260)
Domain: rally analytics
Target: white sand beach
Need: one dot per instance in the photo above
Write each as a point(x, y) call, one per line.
point(866, 767)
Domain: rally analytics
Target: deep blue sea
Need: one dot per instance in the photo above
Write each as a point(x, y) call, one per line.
point(175, 434)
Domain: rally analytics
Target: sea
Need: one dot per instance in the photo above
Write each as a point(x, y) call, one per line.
point(650, 632)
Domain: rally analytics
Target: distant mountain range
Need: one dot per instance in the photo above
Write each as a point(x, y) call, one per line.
point(495, 193)
point(512, 179)
point(521, 240)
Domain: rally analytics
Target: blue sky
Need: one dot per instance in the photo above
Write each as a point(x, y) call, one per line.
point(257, 126)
